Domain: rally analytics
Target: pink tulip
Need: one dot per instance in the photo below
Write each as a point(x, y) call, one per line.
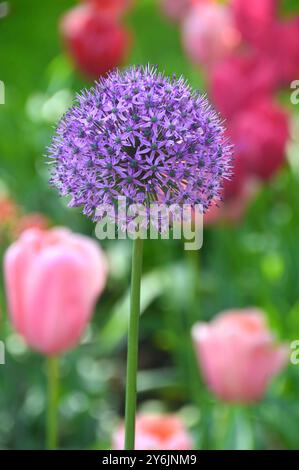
point(254, 18)
point(156, 432)
point(238, 80)
point(260, 134)
point(110, 8)
point(208, 33)
point(53, 279)
point(284, 49)
point(238, 355)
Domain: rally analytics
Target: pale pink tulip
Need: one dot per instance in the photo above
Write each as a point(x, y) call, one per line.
point(53, 279)
point(208, 33)
point(238, 355)
point(156, 432)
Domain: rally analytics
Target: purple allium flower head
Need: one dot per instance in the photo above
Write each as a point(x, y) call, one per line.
point(143, 136)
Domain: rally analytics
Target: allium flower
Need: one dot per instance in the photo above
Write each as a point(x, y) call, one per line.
point(141, 136)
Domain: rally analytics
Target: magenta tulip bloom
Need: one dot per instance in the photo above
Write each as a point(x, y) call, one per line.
point(238, 355)
point(239, 80)
point(255, 18)
point(53, 279)
point(260, 133)
point(156, 432)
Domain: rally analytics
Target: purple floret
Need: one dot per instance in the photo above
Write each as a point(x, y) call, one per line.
point(140, 135)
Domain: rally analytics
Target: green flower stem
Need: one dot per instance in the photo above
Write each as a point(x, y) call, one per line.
point(132, 356)
point(236, 427)
point(53, 395)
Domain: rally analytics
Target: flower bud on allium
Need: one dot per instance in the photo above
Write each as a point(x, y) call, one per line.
point(141, 136)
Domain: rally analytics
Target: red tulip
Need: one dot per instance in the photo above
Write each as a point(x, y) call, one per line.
point(53, 279)
point(156, 432)
point(238, 80)
point(111, 8)
point(274, 39)
point(95, 44)
point(254, 18)
point(285, 51)
point(260, 134)
point(238, 355)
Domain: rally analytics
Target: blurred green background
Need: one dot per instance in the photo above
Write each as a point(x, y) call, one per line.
point(253, 264)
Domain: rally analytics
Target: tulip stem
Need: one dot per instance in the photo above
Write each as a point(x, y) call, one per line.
point(53, 395)
point(132, 355)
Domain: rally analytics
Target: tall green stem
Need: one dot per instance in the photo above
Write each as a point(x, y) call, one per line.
point(53, 395)
point(132, 356)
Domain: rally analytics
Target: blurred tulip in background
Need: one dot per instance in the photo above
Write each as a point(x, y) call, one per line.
point(284, 50)
point(53, 279)
point(208, 33)
point(239, 79)
point(238, 355)
point(157, 432)
point(8, 215)
point(29, 221)
point(254, 18)
point(95, 43)
point(260, 134)
point(111, 8)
